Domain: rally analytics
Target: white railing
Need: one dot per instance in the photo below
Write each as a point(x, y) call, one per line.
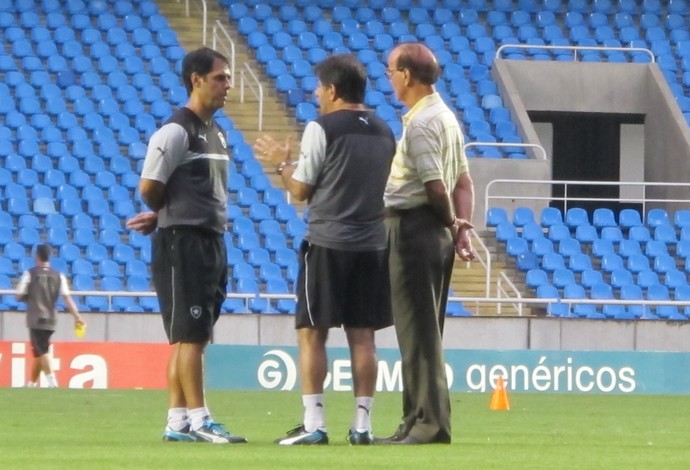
point(110, 294)
point(503, 284)
point(567, 301)
point(642, 186)
point(483, 256)
point(249, 80)
point(575, 49)
point(517, 302)
point(204, 16)
point(223, 43)
point(505, 144)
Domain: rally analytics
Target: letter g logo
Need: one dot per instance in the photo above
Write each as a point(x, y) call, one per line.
point(278, 368)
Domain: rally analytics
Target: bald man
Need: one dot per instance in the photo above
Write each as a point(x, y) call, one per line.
point(429, 201)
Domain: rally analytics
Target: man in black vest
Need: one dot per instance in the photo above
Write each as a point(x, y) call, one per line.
point(184, 181)
point(40, 288)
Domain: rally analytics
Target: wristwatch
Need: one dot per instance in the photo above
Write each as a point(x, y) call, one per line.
point(281, 166)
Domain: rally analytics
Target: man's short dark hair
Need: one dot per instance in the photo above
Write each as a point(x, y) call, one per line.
point(347, 74)
point(43, 253)
point(199, 61)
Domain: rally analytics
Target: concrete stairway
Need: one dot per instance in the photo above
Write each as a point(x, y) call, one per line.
point(468, 278)
point(277, 120)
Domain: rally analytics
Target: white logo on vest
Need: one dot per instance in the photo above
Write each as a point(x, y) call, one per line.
point(222, 140)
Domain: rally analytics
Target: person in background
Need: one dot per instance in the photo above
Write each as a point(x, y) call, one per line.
point(184, 181)
point(429, 202)
point(344, 162)
point(40, 287)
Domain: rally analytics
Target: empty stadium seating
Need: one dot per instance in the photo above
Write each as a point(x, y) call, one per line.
point(566, 265)
point(86, 83)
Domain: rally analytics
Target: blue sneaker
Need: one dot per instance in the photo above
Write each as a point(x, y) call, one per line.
point(215, 433)
point(300, 437)
point(360, 438)
point(170, 435)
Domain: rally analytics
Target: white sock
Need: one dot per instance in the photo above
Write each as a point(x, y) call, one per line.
point(52, 381)
point(31, 384)
point(197, 416)
point(177, 419)
point(314, 412)
point(363, 406)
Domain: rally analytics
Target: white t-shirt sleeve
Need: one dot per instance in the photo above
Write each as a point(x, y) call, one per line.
point(312, 154)
point(23, 284)
point(64, 286)
point(166, 150)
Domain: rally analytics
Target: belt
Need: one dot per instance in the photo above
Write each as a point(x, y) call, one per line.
point(395, 212)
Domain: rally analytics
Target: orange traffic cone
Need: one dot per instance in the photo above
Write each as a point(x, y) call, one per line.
point(499, 397)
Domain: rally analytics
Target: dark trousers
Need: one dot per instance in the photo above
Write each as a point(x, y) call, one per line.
point(421, 265)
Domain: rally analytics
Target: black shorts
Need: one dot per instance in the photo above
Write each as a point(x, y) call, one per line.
point(40, 341)
point(343, 288)
point(190, 274)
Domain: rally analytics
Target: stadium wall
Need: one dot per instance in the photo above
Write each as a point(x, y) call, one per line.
point(475, 333)
point(624, 88)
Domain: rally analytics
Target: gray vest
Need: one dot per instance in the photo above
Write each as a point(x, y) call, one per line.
point(43, 293)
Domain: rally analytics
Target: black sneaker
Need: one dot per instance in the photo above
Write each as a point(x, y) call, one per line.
point(300, 437)
point(360, 438)
point(215, 433)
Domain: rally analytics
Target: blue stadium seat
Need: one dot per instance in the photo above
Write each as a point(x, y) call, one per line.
point(614, 234)
point(665, 233)
point(536, 277)
point(496, 216)
point(603, 217)
point(664, 263)
point(576, 216)
point(655, 248)
point(657, 217)
point(541, 246)
point(562, 277)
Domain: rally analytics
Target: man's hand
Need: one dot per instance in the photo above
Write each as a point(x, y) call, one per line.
point(144, 223)
point(461, 238)
point(268, 149)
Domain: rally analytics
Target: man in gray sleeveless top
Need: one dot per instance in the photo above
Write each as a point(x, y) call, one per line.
point(344, 161)
point(40, 287)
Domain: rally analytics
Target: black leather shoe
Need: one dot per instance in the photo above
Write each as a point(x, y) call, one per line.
point(397, 435)
point(407, 440)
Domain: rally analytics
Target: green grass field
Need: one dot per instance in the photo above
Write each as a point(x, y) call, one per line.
point(98, 429)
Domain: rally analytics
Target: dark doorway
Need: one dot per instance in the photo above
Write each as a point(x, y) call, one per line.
point(586, 147)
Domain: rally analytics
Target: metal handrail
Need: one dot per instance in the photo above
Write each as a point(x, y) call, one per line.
point(566, 199)
point(257, 89)
point(484, 258)
point(505, 144)
point(500, 290)
point(575, 49)
point(204, 17)
point(221, 37)
point(110, 294)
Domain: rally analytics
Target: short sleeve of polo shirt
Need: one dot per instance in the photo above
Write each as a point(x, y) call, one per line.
point(312, 154)
point(424, 151)
point(166, 149)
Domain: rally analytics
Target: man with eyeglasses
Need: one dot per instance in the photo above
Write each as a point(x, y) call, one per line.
point(429, 202)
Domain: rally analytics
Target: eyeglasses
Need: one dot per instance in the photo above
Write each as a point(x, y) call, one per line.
point(390, 72)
